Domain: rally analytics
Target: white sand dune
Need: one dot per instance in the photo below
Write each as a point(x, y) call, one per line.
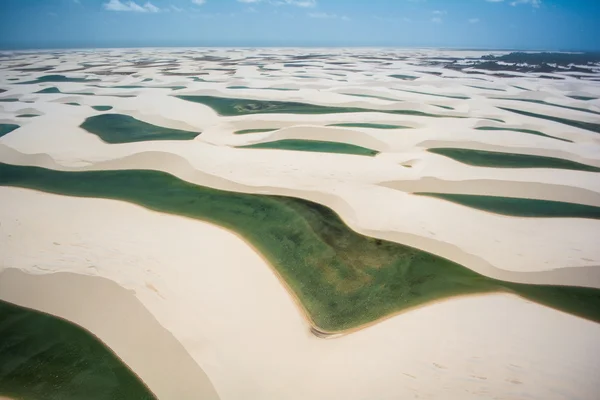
point(512, 245)
point(229, 311)
point(217, 297)
point(118, 319)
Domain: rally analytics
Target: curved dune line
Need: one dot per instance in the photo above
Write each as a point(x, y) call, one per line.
point(118, 319)
point(477, 328)
point(480, 145)
point(330, 134)
point(181, 168)
point(500, 188)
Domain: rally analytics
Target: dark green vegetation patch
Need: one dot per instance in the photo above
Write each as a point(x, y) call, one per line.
point(314, 145)
point(27, 115)
point(52, 90)
point(102, 108)
point(531, 132)
point(45, 357)
point(518, 207)
point(57, 78)
point(342, 278)
point(577, 124)
point(372, 126)
point(119, 128)
point(245, 131)
point(583, 98)
point(7, 128)
point(370, 96)
point(545, 103)
point(448, 96)
point(231, 107)
point(404, 77)
point(481, 158)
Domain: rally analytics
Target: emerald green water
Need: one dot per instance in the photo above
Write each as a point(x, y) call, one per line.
point(57, 78)
point(433, 94)
point(555, 105)
point(55, 90)
point(52, 90)
point(73, 104)
point(480, 158)
point(369, 96)
point(231, 107)
point(7, 128)
point(45, 357)
point(518, 207)
point(491, 128)
point(583, 98)
point(372, 126)
point(404, 77)
point(593, 127)
point(118, 128)
point(342, 278)
point(245, 131)
point(313, 145)
point(102, 108)
point(486, 88)
point(269, 88)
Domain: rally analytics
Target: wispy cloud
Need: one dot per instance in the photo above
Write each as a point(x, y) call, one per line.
point(439, 12)
point(176, 9)
point(534, 3)
point(323, 15)
point(436, 20)
point(198, 2)
point(297, 3)
point(117, 5)
point(473, 20)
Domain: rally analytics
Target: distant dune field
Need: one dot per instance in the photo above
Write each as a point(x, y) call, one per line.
point(294, 224)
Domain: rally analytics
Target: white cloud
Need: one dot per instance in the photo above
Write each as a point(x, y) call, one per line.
point(436, 20)
point(297, 3)
point(198, 2)
point(117, 5)
point(534, 3)
point(151, 7)
point(438, 12)
point(323, 15)
point(473, 20)
point(175, 8)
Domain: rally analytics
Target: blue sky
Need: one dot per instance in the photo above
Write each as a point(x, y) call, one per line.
point(489, 24)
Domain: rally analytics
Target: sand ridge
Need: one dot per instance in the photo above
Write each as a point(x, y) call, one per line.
point(495, 344)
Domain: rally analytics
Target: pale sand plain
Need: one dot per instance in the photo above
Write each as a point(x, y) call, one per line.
point(272, 360)
point(223, 303)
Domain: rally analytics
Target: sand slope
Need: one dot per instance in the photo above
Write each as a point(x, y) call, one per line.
point(226, 307)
